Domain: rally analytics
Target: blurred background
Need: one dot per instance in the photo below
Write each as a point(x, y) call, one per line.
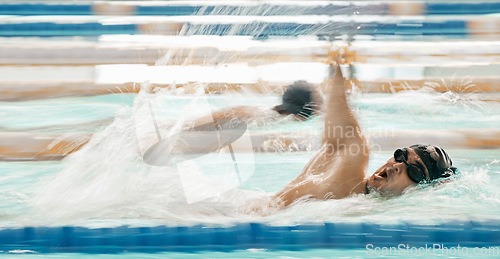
point(54, 49)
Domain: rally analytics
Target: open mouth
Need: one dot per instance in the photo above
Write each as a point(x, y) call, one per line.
point(381, 176)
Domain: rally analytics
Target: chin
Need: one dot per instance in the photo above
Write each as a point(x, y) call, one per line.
point(372, 184)
point(380, 190)
point(371, 187)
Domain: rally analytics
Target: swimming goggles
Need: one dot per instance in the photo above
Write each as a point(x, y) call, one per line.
point(415, 173)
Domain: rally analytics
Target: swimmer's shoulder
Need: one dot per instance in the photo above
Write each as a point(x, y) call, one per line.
point(341, 168)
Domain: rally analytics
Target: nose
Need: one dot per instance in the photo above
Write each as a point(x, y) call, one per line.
point(394, 170)
point(398, 168)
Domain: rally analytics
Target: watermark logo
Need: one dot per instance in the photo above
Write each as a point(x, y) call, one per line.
point(209, 156)
point(431, 250)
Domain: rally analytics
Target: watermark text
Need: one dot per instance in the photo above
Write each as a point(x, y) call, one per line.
point(431, 249)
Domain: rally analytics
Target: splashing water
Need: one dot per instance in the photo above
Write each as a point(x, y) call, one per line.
point(107, 179)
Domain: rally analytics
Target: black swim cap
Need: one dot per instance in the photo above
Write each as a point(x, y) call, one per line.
point(298, 100)
point(436, 160)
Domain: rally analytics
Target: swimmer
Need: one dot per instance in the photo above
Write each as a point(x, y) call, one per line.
point(338, 169)
point(215, 130)
point(300, 100)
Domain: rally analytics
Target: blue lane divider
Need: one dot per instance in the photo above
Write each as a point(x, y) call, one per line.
point(45, 9)
point(269, 9)
point(462, 8)
point(256, 29)
point(249, 235)
point(56, 29)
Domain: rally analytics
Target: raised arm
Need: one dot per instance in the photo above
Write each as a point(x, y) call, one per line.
point(243, 113)
point(341, 127)
point(337, 170)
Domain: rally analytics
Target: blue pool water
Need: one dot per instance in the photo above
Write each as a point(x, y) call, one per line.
point(420, 110)
point(106, 183)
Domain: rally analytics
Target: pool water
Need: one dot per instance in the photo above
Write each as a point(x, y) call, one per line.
point(106, 183)
point(422, 109)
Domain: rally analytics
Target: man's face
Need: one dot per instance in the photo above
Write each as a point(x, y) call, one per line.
point(392, 178)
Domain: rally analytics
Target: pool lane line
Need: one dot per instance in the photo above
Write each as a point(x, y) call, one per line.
point(45, 90)
point(18, 91)
point(416, 236)
point(53, 146)
point(456, 84)
point(180, 56)
point(448, 28)
point(284, 8)
point(93, 56)
point(148, 49)
point(39, 146)
point(455, 29)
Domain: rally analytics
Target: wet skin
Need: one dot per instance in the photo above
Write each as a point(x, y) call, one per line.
point(392, 178)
